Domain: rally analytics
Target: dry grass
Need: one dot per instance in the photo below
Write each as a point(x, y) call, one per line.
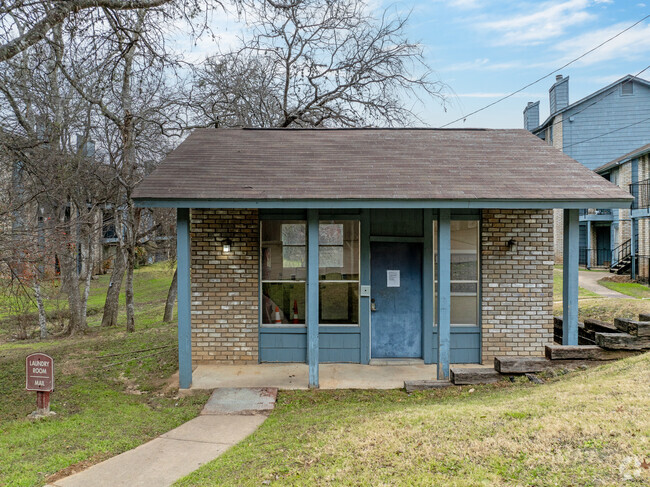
point(606, 309)
point(586, 428)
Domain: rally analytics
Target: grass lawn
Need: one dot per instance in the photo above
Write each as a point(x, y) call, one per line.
point(578, 429)
point(101, 411)
point(558, 286)
point(633, 289)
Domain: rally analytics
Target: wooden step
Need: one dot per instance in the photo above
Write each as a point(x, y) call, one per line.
point(644, 317)
point(598, 325)
point(622, 341)
point(633, 327)
point(583, 352)
point(520, 365)
point(423, 385)
point(472, 375)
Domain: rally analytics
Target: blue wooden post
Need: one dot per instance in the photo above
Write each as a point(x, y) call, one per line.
point(365, 281)
point(588, 264)
point(427, 288)
point(184, 298)
point(444, 293)
point(632, 249)
point(570, 278)
point(312, 296)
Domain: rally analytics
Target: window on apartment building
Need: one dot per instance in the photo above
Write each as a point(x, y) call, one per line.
point(284, 272)
point(464, 272)
point(338, 259)
point(627, 88)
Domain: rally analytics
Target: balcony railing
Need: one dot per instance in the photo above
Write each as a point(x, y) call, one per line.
point(641, 193)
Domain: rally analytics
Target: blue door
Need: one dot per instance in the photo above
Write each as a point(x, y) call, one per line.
point(396, 289)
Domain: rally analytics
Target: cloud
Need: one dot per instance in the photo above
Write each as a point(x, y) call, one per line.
point(549, 20)
point(462, 4)
point(632, 45)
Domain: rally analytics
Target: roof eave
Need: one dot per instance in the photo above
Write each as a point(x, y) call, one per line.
point(384, 203)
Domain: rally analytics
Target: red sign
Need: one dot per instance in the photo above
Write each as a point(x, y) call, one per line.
point(39, 372)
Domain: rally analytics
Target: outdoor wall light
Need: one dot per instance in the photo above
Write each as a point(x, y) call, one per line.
point(226, 246)
point(512, 244)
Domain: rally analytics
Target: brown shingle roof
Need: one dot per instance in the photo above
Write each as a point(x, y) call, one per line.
point(370, 164)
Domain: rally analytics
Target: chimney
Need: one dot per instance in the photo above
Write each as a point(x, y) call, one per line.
point(558, 95)
point(531, 116)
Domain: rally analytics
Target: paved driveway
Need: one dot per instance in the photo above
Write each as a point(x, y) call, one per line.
point(589, 281)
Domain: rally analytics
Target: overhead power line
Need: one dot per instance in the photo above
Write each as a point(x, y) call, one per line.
point(465, 117)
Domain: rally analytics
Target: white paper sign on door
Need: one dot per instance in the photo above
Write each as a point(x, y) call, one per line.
point(392, 278)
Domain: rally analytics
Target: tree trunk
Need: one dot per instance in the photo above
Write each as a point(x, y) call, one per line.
point(112, 304)
point(134, 221)
point(89, 264)
point(171, 298)
point(70, 279)
point(42, 317)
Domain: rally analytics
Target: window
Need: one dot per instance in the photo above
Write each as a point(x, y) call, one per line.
point(284, 271)
point(338, 257)
point(464, 272)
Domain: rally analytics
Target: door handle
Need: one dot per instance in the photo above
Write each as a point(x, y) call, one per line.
point(373, 305)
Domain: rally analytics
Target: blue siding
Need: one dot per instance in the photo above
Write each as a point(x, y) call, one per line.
point(290, 345)
point(396, 223)
point(465, 345)
point(609, 113)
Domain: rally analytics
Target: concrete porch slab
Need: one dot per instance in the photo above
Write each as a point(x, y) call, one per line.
point(250, 400)
point(296, 376)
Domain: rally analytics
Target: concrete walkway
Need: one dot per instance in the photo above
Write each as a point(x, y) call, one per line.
point(589, 281)
point(229, 416)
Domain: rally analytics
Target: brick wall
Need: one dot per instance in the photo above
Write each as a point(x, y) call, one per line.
point(517, 284)
point(224, 286)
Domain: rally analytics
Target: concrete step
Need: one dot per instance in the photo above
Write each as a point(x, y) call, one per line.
point(583, 352)
point(473, 375)
point(520, 365)
point(396, 361)
point(423, 385)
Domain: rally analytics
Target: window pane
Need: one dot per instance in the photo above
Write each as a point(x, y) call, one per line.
point(330, 234)
point(339, 303)
point(293, 234)
point(281, 261)
point(464, 310)
point(463, 287)
point(338, 251)
point(464, 267)
point(288, 298)
point(293, 257)
point(331, 257)
point(464, 235)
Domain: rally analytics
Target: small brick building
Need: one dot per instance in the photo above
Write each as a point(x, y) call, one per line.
point(351, 245)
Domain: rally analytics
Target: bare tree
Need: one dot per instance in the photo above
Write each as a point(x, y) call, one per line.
point(316, 63)
point(24, 24)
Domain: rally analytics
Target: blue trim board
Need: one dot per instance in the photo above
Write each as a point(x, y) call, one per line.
point(364, 306)
point(570, 278)
point(312, 297)
point(183, 259)
point(384, 204)
point(427, 288)
point(444, 293)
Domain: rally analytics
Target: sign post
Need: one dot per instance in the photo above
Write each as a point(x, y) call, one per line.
point(39, 377)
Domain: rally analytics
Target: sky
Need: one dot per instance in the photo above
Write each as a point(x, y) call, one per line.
point(485, 49)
